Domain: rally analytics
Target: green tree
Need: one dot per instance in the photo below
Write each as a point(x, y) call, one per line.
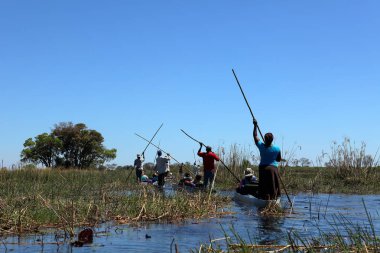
point(70, 146)
point(44, 149)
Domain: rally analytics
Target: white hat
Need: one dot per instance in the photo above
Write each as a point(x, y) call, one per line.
point(248, 172)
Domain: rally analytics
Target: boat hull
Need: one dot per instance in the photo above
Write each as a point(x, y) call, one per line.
point(252, 200)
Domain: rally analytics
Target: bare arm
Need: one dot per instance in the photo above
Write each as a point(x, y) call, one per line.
point(255, 137)
point(278, 158)
point(200, 147)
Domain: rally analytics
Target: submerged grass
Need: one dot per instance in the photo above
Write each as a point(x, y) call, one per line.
point(32, 199)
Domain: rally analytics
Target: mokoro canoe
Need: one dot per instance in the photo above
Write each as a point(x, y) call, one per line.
point(186, 188)
point(252, 200)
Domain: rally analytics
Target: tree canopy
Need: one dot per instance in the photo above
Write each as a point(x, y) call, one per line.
point(67, 145)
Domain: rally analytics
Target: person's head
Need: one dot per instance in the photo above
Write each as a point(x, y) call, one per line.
point(187, 175)
point(138, 156)
point(268, 139)
point(159, 152)
point(208, 149)
point(248, 172)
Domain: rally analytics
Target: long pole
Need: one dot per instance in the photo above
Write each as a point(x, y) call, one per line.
point(180, 164)
point(213, 183)
point(156, 147)
point(246, 101)
point(146, 147)
point(253, 117)
point(152, 138)
point(219, 160)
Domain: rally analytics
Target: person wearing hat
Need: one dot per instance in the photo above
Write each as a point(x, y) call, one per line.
point(138, 165)
point(187, 180)
point(248, 185)
point(208, 164)
point(162, 165)
point(270, 155)
point(249, 177)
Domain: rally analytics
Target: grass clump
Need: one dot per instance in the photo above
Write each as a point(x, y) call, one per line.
point(344, 236)
point(33, 199)
point(349, 161)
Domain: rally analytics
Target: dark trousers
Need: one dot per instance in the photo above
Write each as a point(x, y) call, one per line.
point(269, 186)
point(161, 179)
point(138, 175)
point(208, 178)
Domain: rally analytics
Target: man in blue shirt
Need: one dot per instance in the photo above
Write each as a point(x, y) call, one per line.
point(269, 186)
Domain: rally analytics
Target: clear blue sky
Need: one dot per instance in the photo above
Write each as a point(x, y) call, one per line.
point(310, 70)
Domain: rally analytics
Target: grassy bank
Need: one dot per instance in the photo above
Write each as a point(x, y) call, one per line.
point(31, 200)
point(315, 179)
point(326, 180)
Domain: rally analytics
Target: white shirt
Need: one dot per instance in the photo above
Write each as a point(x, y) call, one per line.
point(162, 164)
point(139, 163)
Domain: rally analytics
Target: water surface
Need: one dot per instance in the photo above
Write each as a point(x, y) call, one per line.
point(310, 212)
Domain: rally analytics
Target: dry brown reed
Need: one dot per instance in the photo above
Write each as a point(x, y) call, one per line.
point(350, 161)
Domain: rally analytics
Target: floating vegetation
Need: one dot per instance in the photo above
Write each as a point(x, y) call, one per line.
point(273, 209)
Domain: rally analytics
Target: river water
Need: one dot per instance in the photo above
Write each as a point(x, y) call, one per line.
point(310, 215)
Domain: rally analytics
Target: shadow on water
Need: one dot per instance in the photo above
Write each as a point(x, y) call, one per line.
point(310, 212)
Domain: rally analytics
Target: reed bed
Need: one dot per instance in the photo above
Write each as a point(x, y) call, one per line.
point(346, 168)
point(345, 236)
point(34, 199)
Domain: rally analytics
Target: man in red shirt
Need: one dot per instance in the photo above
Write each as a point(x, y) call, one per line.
point(208, 164)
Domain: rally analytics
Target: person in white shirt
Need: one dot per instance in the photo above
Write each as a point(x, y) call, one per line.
point(162, 164)
point(138, 165)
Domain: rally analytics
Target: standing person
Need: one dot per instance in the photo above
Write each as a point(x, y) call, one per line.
point(208, 164)
point(162, 164)
point(138, 165)
point(269, 186)
point(167, 170)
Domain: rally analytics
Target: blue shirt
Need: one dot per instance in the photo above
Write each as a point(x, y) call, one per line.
point(268, 154)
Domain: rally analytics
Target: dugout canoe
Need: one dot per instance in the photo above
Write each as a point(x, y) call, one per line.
point(252, 200)
point(177, 187)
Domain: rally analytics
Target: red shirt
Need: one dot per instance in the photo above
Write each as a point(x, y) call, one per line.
point(208, 160)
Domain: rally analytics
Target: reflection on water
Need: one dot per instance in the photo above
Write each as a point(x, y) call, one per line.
point(310, 212)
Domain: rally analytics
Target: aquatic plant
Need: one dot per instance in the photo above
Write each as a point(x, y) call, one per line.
point(344, 236)
point(349, 161)
point(33, 199)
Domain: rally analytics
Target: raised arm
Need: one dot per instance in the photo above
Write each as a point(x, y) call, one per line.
point(200, 147)
point(255, 137)
point(142, 157)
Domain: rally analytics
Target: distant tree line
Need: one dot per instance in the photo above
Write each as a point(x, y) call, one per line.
point(69, 146)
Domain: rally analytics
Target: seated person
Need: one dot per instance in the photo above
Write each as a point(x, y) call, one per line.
point(186, 180)
point(145, 178)
point(198, 181)
point(249, 184)
point(154, 178)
